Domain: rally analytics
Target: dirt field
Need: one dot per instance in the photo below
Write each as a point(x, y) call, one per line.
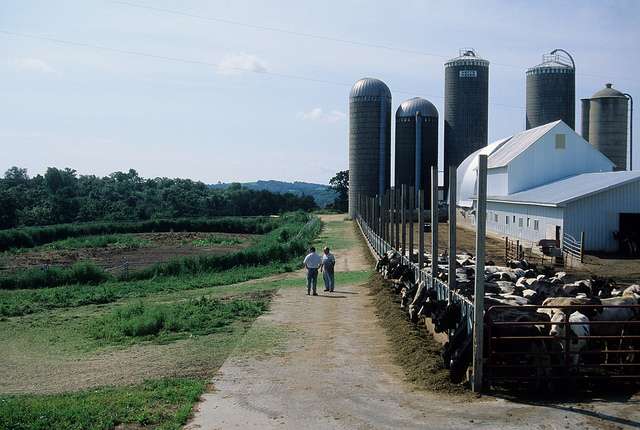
point(338, 373)
point(160, 247)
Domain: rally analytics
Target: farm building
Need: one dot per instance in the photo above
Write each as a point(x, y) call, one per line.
point(548, 182)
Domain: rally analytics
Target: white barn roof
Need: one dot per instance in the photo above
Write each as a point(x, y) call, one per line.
point(516, 144)
point(467, 174)
point(564, 191)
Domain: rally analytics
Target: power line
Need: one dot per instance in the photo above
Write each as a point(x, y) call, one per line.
point(326, 38)
point(207, 63)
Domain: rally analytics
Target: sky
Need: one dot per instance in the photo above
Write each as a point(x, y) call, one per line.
point(238, 90)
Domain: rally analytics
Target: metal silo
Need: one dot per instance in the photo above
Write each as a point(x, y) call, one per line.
point(369, 139)
point(604, 124)
point(466, 107)
point(551, 89)
point(416, 144)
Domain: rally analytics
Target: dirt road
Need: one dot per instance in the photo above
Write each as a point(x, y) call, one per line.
point(336, 372)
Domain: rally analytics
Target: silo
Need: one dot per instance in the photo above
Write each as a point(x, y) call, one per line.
point(551, 89)
point(604, 124)
point(369, 139)
point(466, 107)
point(416, 144)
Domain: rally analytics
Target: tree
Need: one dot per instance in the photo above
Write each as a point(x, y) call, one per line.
point(340, 184)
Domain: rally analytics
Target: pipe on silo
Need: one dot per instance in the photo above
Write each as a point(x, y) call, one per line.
point(418, 178)
point(627, 95)
point(586, 109)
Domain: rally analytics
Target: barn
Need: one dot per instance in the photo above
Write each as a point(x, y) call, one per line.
point(548, 182)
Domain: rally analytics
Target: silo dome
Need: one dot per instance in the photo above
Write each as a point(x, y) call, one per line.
point(371, 87)
point(369, 140)
point(608, 91)
point(416, 144)
point(409, 108)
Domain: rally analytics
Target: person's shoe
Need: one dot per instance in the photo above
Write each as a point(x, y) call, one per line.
point(308, 294)
point(331, 291)
point(326, 290)
point(315, 294)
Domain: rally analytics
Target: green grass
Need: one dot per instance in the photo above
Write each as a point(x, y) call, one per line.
point(216, 240)
point(121, 241)
point(162, 322)
point(23, 302)
point(160, 404)
point(334, 236)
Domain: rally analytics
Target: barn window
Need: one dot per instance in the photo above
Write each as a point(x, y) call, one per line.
point(520, 222)
point(560, 141)
point(536, 224)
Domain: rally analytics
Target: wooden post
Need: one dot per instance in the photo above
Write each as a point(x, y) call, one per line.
point(452, 230)
point(403, 217)
point(421, 229)
point(410, 214)
point(478, 297)
point(434, 224)
point(517, 250)
point(582, 246)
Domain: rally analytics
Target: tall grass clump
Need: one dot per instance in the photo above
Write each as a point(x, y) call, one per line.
point(29, 237)
point(203, 316)
point(82, 272)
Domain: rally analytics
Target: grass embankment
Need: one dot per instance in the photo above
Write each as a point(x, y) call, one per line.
point(30, 237)
point(288, 239)
point(413, 347)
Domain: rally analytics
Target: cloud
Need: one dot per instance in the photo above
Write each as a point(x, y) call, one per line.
point(31, 65)
point(317, 114)
point(238, 63)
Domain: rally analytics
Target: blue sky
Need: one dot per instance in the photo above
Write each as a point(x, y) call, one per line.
point(230, 102)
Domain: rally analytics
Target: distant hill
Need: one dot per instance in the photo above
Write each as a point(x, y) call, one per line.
point(322, 194)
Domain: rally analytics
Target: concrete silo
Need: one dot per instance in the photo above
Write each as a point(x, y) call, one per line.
point(369, 139)
point(416, 144)
point(604, 124)
point(466, 107)
point(551, 90)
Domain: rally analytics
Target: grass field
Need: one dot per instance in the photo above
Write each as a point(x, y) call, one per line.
point(135, 354)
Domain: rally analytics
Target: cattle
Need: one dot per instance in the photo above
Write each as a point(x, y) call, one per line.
point(577, 332)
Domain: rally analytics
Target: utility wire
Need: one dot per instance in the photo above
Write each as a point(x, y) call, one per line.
point(323, 37)
point(207, 63)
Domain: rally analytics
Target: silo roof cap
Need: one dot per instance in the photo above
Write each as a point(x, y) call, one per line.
point(554, 62)
point(409, 108)
point(608, 91)
point(370, 87)
point(467, 56)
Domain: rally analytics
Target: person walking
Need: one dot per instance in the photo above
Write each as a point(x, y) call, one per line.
point(328, 264)
point(312, 262)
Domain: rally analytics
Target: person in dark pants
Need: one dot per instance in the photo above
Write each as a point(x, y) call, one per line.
point(312, 262)
point(328, 264)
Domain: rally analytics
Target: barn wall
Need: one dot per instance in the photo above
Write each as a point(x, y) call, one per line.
point(497, 181)
point(598, 216)
point(543, 163)
point(547, 217)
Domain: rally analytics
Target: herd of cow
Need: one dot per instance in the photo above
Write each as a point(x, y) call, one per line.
point(579, 326)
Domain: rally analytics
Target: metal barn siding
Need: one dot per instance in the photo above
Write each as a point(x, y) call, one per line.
point(598, 215)
point(551, 89)
point(416, 143)
point(604, 124)
point(369, 139)
point(466, 107)
point(500, 220)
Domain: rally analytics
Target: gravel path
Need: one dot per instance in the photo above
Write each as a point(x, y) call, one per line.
point(336, 372)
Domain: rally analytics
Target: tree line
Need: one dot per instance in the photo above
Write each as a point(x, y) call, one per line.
point(64, 196)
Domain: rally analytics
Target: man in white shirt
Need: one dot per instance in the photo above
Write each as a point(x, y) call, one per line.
point(328, 263)
point(311, 262)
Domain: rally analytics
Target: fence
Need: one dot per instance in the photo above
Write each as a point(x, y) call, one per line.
point(572, 249)
point(519, 250)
